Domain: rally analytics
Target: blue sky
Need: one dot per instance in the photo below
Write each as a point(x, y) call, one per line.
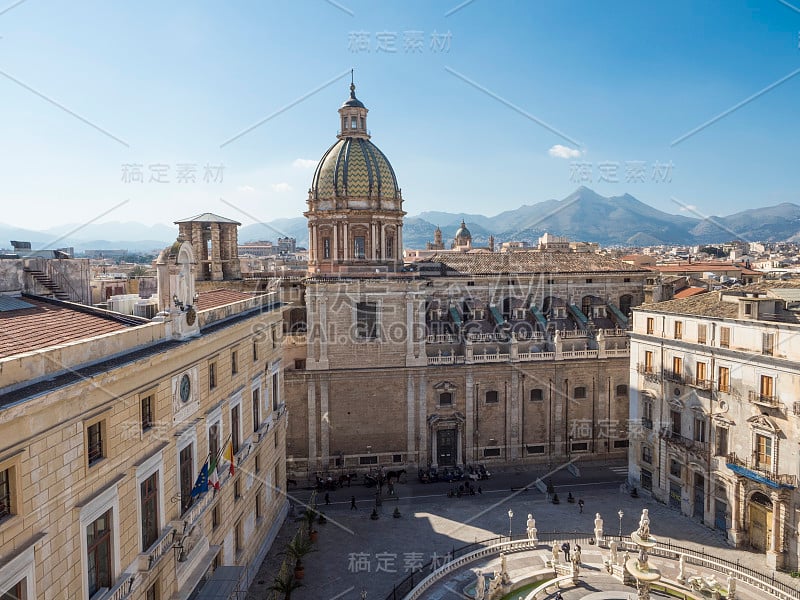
point(172, 82)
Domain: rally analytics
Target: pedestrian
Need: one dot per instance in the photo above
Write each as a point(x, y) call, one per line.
point(480, 491)
point(558, 596)
point(327, 498)
point(580, 504)
point(353, 503)
point(565, 548)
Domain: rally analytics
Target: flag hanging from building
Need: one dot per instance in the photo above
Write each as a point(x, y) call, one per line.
point(201, 485)
point(213, 478)
point(228, 455)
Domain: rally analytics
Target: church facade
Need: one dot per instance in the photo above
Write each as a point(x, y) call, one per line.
point(467, 358)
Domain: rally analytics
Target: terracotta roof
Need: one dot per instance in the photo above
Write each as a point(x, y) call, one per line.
point(690, 291)
point(703, 267)
point(48, 324)
point(530, 262)
point(220, 297)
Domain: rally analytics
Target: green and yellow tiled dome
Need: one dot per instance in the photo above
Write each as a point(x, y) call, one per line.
point(354, 167)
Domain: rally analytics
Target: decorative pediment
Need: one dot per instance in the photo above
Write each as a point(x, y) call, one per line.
point(455, 417)
point(445, 386)
point(764, 423)
point(694, 404)
point(676, 403)
point(723, 421)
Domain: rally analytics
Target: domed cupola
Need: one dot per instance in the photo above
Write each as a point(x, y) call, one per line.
point(355, 212)
point(463, 236)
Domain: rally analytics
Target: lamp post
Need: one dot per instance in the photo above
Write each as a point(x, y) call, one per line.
point(510, 516)
point(621, 514)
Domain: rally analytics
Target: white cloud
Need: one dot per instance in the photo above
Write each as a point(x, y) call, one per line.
point(281, 187)
point(304, 163)
point(559, 151)
point(247, 189)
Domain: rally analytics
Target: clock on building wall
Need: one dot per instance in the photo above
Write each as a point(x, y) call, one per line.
point(186, 388)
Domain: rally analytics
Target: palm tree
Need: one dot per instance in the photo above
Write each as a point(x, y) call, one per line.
point(296, 550)
point(285, 584)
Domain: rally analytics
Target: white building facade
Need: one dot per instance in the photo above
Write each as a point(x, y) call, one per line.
point(714, 390)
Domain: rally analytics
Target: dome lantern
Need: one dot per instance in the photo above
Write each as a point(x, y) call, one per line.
point(353, 116)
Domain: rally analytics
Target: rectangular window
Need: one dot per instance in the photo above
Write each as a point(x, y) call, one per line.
point(237, 489)
point(237, 537)
point(674, 468)
point(274, 335)
point(651, 325)
point(535, 449)
point(492, 397)
point(490, 452)
point(678, 330)
point(767, 388)
point(397, 458)
point(147, 412)
point(647, 455)
point(256, 409)
point(259, 503)
point(275, 392)
point(5, 493)
point(368, 460)
point(647, 480)
point(725, 337)
point(677, 368)
point(767, 343)
point(648, 361)
point(152, 592)
point(622, 389)
point(701, 333)
point(580, 393)
point(255, 350)
point(149, 497)
point(724, 379)
point(15, 593)
point(445, 399)
point(234, 362)
point(359, 247)
point(537, 395)
point(235, 429)
point(257, 464)
point(216, 517)
point(212, 375)
point(389, 247)
point(94, 442)
point(699, 430)
point(326, 248)
point(186, 469)
point(98, 550)
point(721, 443)
point(763, 451)
point(621, 443)
point(675, 420)
point(213, 441)
point(367, 320)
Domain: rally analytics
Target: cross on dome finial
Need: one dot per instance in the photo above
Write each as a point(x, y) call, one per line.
point(352, 85)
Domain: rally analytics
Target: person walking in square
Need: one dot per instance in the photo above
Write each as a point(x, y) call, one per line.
point(565, 548)
point(327, 498)
point(580, 505)
point(353, 503)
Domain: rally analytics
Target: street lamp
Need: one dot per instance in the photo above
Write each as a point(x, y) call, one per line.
point(621, 514)
point(510, 516)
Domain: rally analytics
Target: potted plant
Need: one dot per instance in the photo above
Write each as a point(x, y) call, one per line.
point(296, 550)
point(285, 583)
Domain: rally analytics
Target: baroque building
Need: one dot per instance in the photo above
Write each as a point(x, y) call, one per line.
point(714, 394)
point(469, 357)
point(108, 424)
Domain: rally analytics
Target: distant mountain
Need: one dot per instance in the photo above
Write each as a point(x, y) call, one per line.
point(583, 215)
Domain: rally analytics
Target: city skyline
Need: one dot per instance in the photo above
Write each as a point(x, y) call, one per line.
point(684, 108)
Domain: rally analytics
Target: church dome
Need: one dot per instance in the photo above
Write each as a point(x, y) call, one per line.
point(356, 168)
point(463, 232)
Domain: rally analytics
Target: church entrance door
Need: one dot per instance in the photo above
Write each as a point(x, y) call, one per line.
point(446, 447)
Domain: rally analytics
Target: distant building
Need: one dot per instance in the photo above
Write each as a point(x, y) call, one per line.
point(287, 245)
point(215, 243)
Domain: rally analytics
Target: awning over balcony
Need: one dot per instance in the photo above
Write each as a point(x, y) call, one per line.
point(743, 471)
point(223, 584)
point(455, 316)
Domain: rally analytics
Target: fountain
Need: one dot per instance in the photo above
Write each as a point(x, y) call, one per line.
point(638, 567)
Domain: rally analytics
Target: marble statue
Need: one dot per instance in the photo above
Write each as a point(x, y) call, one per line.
point(644, 525)
point(731, 587)
point(613, 547)
point(598, 524)
point(555, 552)
point(531, 525)
point(682, 568)
point(577, 554)
point(576, 564)
point(480, 586)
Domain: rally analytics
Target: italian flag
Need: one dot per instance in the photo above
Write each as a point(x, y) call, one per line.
point(213, 478)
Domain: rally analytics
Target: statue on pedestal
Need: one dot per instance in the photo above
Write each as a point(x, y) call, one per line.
point(531, 525)
point(613, 547)
point(480, 586)
point(555, 553)
point(681, 569)
point(598, 528)
point(644, 525)
point(731, 587)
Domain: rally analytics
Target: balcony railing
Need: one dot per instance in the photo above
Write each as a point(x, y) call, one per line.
point(675, 440)
point(490, 358)
point(487, 337)
point(534, 356)
point(648, 372)
point(149, 559)
point(763, 399)
point(674, 376)
point(756, 469)
point(443, 338)
point(703, 384)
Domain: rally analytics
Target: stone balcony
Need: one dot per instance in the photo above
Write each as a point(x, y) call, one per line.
point(763, 399)
point(762, 472)
point(676, 441)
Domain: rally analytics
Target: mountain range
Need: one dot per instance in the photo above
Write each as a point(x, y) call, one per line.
point(583, 215)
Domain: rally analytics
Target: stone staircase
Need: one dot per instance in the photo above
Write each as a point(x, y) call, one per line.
point(44, 280)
